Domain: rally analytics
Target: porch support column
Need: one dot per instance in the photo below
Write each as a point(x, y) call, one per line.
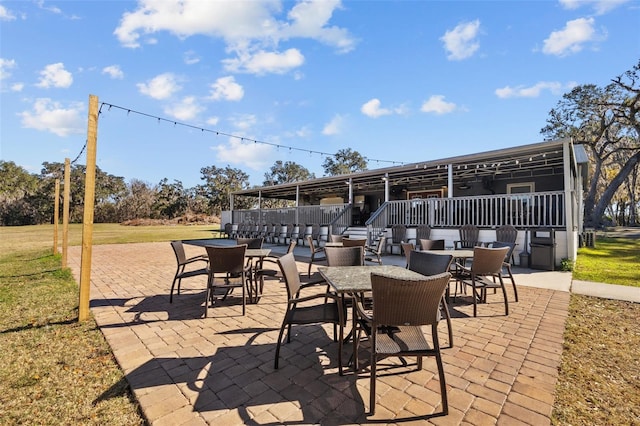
point(231, 203)
point(350, 183)
point(386, 187)
point(570, 224)
point(450, 192)
point(297, 201)
point(259, 207)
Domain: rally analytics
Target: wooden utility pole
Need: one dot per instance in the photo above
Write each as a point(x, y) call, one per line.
point(89, 201)
point(65, 211)
point(56, 216)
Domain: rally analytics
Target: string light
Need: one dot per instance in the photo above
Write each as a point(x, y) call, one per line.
point(242, 139)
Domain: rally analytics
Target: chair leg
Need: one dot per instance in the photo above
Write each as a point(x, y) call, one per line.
point(504, 293)
point(372, 392)
point(447, 316)
point(284, 323)
point(172, 286)
point(443, 385)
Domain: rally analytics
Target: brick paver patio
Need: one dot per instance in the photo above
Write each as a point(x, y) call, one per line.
point(185, 369)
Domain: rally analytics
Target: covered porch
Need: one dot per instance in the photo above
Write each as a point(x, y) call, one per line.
point(528, 187)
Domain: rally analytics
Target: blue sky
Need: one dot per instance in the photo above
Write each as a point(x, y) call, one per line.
point(397, 81)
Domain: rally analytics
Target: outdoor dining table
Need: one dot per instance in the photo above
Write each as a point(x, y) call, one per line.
point(255, 257)
point(357, 279)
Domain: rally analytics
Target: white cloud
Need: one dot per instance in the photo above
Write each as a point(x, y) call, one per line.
point(436, 104)
point(190, 57)
point(600, 6)
point(571, 38)
point(6, 65)
point(113, 71)
point(534, 91)
point(187, 109)
point(262, 62)
point(243, 121)
point(334, 126)
point(50, 116)
point(372, 109)
point(461, 42)
point(17, 87)
point(52, 9)
point(162, 86)
point(213, 121)
point(54, 75)
point(226, 88)
point(6, 14)
point(251, 30)
point(252, 155)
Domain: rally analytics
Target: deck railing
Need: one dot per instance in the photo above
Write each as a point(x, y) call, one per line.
point(527, 210)
point(322, 215)
point(537, 209)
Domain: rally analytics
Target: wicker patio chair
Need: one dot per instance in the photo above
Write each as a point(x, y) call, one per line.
point(469, 236)
point(252, 243)
point(374, 253)
point(506, 266)
point(434, 264)
point(227, 271)
point(262, 271)
point(333, 238)
point(407, 248)
point(400, 308)
point(317, 253)
point(344, 256)
point(426, 244)
point(484, 273)
point(183, 261)
point(299, 311)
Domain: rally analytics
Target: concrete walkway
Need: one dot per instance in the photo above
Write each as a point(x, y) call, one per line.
point(185, 369)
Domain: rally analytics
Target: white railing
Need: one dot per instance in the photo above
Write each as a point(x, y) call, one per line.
point(535, 209)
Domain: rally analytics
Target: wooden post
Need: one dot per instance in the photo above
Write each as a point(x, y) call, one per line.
point(65, 211)
point(56, 216)
point(89, 201)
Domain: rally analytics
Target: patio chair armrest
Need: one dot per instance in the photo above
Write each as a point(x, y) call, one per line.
point(315, 296)
point(198, 258)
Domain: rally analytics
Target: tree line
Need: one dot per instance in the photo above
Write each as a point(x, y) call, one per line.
point(28, 199)
point(606, 120)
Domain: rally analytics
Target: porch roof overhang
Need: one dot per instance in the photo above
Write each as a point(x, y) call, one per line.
point(539, 159)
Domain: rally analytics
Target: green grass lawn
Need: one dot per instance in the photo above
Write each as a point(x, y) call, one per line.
point(612, 261)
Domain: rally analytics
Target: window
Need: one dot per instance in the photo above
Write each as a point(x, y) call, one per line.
point(520, 188)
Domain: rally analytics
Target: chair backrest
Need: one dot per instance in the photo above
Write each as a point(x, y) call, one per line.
point(426, 244)
point(499, 244)
point(398, 302)
point(178, 250)
point(289, 270)
point(381, 244)
point(355, 242)
point(292, 245)
point(430, 263)
point(335, 238)
point(407, 248)
point(506, 234)
point(312, 246)
point(226, 259)
point(469, 235)
point(344, 256)
point(398, 233)
point(423, 232)
point(488, 261)
point(252, 243)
